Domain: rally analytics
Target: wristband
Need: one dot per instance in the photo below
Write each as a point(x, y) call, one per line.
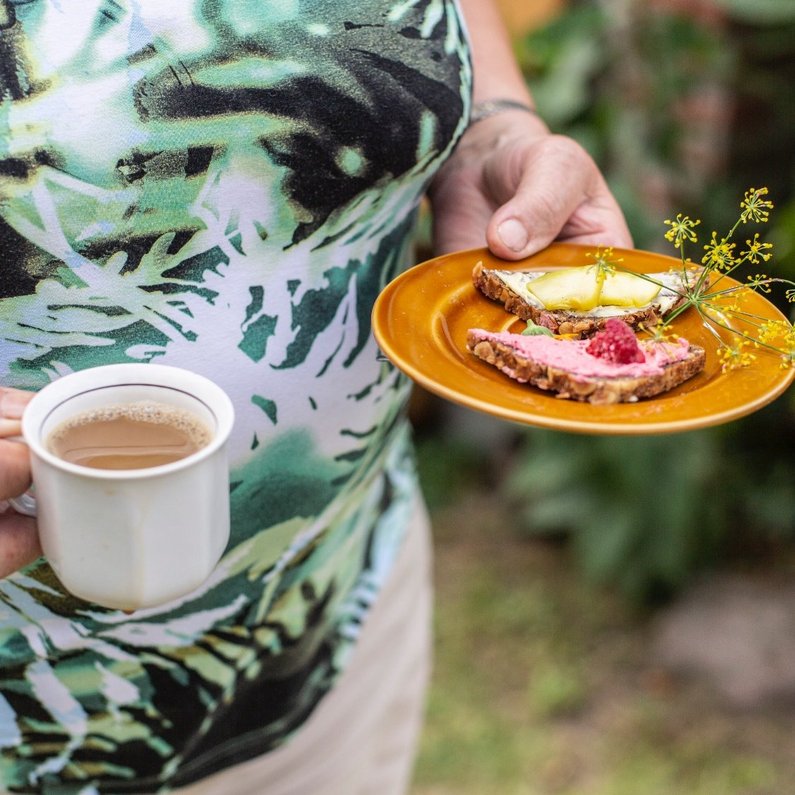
point(491, 107)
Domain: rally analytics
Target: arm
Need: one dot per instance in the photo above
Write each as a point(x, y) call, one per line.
point(496, 72)
point(19, 542)
point(511, 184)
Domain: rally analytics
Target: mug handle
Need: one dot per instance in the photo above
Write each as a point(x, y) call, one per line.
point(24, 504)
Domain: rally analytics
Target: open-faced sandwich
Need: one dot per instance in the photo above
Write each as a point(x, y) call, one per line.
point(611, 367)
point(579, 300)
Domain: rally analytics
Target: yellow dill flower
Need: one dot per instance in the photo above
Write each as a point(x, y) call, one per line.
point(660, 332)
point(754, 207)
point(723, 303)
point(733, 357)
point(760, 282)
point(789, 338)
point(776, 332)
point(682, 229)
point(604, 260)
point(720, 254)
point(727, 304)
point(757, 250)
point(780, 335)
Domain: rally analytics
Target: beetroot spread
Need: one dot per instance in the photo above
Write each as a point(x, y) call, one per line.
point(572, 355)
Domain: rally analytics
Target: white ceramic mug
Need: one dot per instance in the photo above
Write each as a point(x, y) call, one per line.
point(131, 538)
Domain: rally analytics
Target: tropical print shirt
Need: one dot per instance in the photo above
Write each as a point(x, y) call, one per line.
point(225, 186)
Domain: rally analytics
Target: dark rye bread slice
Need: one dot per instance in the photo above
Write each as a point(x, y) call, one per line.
point(562, 321)
point(569, 384)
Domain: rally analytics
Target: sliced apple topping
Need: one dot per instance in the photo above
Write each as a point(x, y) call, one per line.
point(621, 288)
point(568, 288)
point(585, 288)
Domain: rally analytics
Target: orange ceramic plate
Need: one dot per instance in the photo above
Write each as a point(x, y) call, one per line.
point(421, 319)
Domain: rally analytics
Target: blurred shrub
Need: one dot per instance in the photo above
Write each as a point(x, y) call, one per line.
point(647, 94)
point(765, 12)
point(683, 110)
point(645, 513)
point(670, 106)
point(448, 466)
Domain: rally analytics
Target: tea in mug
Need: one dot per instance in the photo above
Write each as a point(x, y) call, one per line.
point(129, 436)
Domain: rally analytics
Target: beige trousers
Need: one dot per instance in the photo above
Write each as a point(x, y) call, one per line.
point(362, 737)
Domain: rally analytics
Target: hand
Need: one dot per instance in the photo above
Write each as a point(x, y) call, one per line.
point(19, 540)
point(515, 187)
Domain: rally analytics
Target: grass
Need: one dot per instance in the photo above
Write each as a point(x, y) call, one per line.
point(543, 686)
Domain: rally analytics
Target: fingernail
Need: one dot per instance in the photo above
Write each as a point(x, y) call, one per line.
point(513, 234)
point(12, 403)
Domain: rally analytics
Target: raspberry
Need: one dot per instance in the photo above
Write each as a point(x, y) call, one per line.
point(616, 343)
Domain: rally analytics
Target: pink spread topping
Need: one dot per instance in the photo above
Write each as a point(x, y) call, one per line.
point(572, 356)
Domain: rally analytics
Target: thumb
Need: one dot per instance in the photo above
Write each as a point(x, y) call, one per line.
point(558, 193)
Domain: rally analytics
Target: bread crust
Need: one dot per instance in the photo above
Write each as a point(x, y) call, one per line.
point(566, 384)
point(558, 321)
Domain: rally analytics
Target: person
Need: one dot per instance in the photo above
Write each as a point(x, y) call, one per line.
point(226, 187)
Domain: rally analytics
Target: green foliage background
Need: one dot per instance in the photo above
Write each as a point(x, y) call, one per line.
point(683, 116)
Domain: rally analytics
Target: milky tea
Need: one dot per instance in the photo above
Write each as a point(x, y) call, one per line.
point(129, 436)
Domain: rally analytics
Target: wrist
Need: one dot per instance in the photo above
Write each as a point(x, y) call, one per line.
point(487, 108)
point(495, 112)
point(485, 140)
point(494, 121)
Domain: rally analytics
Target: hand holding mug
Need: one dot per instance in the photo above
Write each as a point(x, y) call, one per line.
point(19, 540)
point(131, 481)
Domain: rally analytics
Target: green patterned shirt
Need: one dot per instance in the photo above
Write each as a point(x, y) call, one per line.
point(224, 186)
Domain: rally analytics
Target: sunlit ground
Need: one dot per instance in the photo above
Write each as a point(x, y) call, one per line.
point(545, 686)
